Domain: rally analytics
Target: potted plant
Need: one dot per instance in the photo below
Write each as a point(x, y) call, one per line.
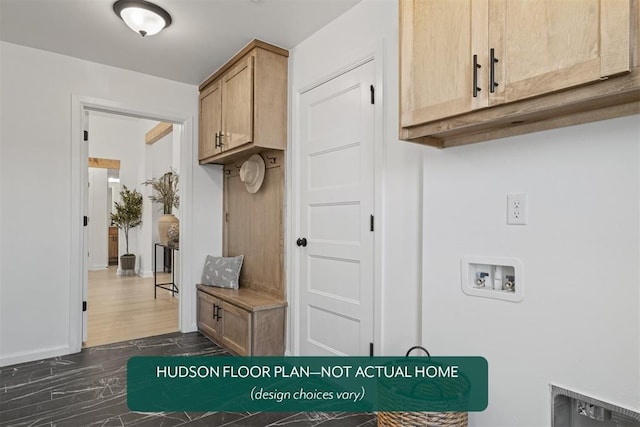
point(165, 192)
point(127, 215)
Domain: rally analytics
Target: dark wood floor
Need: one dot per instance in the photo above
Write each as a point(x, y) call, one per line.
point(89, 388)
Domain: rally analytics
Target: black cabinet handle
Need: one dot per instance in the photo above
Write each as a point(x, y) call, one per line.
point(215, 311)
point(492, 70)
point(219, 136)
point(301, 241)
point(218, 315)
point(476, 66)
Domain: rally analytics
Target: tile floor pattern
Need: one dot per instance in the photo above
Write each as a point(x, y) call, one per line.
point(89, 389)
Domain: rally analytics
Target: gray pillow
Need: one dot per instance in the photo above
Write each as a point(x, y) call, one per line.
point(222, 272)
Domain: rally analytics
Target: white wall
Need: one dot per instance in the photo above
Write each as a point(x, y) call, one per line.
point(160, 160)
point(2, 203)
point(36, 171)
point(579, 323)
point(324, 53)
point(160, 155)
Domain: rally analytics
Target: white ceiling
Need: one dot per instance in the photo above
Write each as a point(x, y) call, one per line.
point(203, 36)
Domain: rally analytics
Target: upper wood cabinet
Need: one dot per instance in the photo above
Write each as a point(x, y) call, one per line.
point(437, 48)
point(237, 98)
point(243, 105)
point(552, 45)
point(210, 120)
point(472, 70)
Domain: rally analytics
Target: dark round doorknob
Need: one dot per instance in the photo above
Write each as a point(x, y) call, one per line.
point(301, 241)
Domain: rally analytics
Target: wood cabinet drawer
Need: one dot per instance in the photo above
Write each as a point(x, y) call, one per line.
point(236, 329)
point(242, 321)
point(207, 321)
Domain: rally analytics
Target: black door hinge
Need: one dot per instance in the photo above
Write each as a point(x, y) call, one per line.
point(373, 94)
point(371, 223)
point(85, 220)
point(371, 349)
point(84, 306)
point(86, 135)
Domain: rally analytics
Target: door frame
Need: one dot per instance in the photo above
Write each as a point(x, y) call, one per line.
point(372, 52)
point(80, 105)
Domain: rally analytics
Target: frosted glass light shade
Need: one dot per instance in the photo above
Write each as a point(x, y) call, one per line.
point(142, 17)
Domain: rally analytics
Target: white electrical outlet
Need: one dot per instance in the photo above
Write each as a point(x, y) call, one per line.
point(517, 209)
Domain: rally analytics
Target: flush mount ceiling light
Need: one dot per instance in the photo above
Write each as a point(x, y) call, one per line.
point(142, 17)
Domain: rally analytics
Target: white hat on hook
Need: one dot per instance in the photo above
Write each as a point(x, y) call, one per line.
point(252, 173)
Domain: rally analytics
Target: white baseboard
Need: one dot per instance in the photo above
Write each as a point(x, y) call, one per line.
point(147, 273)
point(192, 328)
point(30, 356)
point(98, 267)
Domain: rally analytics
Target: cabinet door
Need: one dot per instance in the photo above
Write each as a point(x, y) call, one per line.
point(438, 41)
point(235, 331)
point(207, 321)
point(548, 45)
point(210, 120)
point(237, 104)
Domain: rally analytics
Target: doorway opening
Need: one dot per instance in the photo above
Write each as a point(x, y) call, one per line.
point(122, 300)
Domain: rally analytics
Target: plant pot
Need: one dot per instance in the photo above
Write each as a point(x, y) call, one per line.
point(164, 223)
point(127, 265)
point(174, 234)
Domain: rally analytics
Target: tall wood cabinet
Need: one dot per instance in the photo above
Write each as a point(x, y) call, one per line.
point(243, 111)
point(473, 70)
point(251, 319)
point(243, 105)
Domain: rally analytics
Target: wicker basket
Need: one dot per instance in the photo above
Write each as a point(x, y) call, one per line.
point(440, 419)
point(417, 394)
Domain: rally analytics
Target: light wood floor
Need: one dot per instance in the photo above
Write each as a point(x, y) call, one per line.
point(122, 308)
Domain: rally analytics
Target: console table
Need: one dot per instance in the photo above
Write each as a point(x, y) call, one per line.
point(169, 286)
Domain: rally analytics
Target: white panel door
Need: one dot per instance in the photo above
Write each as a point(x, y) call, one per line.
point(336, 203)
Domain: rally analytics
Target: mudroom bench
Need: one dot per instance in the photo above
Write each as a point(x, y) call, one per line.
point(243, 321)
